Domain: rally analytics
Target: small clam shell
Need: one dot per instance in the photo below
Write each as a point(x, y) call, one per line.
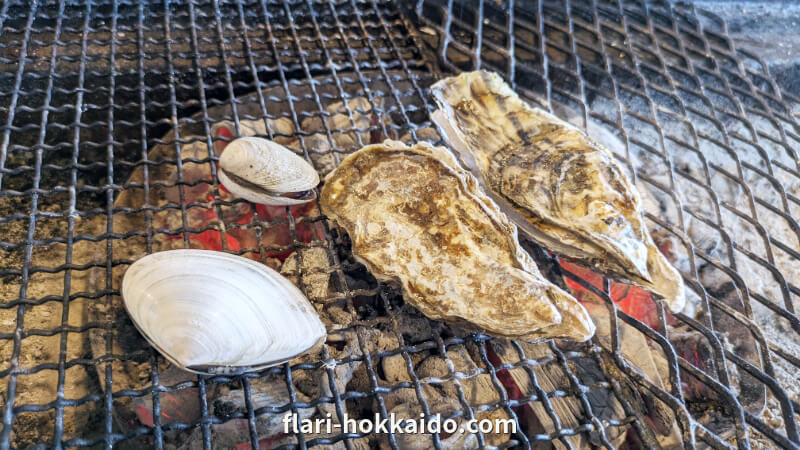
point(212, 312)
point(265, 172)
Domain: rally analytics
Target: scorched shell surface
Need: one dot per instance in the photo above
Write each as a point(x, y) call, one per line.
point(415, 217)
point(212, 312)
point(560, 187)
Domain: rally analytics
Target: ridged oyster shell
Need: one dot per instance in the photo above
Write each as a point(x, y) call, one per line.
point(266, 172)
point(415, 217)
point(563, 189)
point(213, 312)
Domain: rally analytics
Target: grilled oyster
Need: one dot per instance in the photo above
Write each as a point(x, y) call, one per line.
point(414, 216)
point(561, 188)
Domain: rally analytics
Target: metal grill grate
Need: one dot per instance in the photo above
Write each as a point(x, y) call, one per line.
point(690, 110)
point(106, 108)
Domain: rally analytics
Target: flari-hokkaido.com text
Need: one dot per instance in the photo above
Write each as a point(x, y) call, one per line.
point(397, 425)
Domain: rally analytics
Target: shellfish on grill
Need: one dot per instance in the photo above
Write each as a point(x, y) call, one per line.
point(415, 217)
point(266, 172)
point(213, 312)
point(563, 190)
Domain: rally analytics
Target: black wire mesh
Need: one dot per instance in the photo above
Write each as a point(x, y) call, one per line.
point(669, 82)
point(107, 108)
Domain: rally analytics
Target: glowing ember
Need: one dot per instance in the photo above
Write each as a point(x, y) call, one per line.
point(267, 442)
point(523, 412)
point(632, 300)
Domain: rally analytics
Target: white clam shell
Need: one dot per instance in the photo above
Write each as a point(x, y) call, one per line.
point(263, 171)
point(213, 312)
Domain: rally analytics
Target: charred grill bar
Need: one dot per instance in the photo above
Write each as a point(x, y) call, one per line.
point(106, 110)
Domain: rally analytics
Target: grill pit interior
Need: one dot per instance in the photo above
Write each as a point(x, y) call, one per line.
point(108, 112)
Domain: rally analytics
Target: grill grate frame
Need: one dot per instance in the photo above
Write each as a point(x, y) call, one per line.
point(77, 138)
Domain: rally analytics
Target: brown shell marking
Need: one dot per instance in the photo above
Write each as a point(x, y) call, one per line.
point(415, 217)
point(556, 178)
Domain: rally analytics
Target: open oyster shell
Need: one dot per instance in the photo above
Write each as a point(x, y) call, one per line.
point(213, 312)
point(561, 188)
point(414, 216)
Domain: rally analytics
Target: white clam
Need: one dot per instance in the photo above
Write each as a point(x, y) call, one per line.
point(213, 312)
point(263, 171)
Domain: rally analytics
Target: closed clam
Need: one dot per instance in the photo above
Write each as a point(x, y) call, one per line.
point(212, 312)
point(266, 172)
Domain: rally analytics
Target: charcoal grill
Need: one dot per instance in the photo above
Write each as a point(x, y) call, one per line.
point(89, 88)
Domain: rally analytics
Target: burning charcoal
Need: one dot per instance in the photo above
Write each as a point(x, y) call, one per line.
point(356, 444)
point(408, 396)
point(319, 149)
point(394, 368)
point(269, 391)
point(638, 352)
point(343, 126)
point(427, 134)
point(477, 387)
point(342, 373)
point(181, 406)
point(633, 300)
point(337, 315)
point(277, 234)
point(550, 378)
point(282, 130)
point(234, 238)
point(314, 271)
point(412, 325)
point(419, 441)
point(195, 173)
point(235, 434)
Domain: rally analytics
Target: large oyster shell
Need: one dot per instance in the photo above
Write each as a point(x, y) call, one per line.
point(414, 216)
point(213, 312)
point(563, 189)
